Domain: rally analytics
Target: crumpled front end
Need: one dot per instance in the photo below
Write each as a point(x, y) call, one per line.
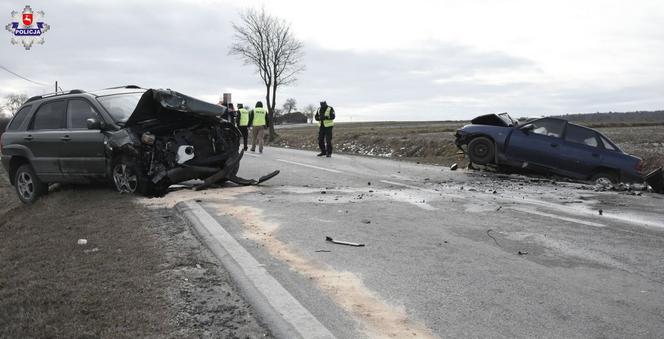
point(172, 138)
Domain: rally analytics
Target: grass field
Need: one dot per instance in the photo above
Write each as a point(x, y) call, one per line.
point(433, 142)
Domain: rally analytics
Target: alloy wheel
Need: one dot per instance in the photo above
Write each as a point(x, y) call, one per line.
point(26, 186)
point(126, 181)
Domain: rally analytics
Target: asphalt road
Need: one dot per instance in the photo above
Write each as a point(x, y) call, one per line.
point(442, 248)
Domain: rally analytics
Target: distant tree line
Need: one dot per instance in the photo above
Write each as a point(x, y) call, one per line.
point(617, 118)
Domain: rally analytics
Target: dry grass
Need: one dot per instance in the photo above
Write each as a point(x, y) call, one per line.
point(433, 142)
point(141, 274)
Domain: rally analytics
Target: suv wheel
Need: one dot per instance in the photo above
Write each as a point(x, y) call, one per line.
point(127, 176)
point(28, 186)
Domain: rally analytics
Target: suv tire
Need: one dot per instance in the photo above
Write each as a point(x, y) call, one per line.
point(481, 150)
point(128, 176)
point(28, 186)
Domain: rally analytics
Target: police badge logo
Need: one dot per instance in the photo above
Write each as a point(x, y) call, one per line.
point(29, 30)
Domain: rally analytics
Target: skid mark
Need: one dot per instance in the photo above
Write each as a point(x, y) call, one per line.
point(377, 318)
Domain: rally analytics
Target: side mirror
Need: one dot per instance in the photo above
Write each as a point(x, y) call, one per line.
point(93, 123)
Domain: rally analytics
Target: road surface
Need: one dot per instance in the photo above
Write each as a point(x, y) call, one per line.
point(449, 254)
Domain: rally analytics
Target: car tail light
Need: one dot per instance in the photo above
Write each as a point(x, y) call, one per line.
point(639, 166)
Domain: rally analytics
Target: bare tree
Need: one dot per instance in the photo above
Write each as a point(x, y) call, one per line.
point(267, 43)
point(290, 105)
point(309, 111)
point(13, 102)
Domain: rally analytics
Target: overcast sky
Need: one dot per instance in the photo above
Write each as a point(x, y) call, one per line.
point(371, 60)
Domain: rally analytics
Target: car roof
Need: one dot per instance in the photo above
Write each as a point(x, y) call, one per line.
point(80, 92)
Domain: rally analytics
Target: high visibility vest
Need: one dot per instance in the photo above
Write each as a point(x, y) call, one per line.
point(244, 117)
point(325, 120)
point(259, 116)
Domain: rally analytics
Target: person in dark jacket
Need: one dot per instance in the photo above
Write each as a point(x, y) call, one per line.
point(230, 113)
point(243, 123)
point(325, 115)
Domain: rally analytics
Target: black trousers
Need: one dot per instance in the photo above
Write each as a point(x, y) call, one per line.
point(325, 139)
point(245, 134)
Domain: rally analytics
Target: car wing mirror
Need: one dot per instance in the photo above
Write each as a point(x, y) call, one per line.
point(93, 123)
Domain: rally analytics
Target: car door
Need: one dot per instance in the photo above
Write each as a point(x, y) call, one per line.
point(83, 148)
point(581, 152)
point(537, 143)
point(44, 137)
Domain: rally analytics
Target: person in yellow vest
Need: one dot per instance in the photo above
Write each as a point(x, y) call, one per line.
point(259, 123)
point(325, 115)
point(243, 123)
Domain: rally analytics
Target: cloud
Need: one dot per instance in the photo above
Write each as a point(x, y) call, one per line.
point(404, 66)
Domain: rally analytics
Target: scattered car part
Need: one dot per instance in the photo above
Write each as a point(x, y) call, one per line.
point(656, 180)
point(339, 242)
point(522, 252)
point(454, 167)
point(185, 153)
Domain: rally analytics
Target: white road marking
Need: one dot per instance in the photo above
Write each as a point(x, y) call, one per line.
point(555, 216)
point(310, 166)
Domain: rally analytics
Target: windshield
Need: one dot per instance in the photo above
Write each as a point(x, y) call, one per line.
point(120, 106)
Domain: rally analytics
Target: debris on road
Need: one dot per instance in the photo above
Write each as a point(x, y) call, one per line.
point(499, 208)
point(366, 221)
point(601, 211)
point(454, 167)
point(656, 180)
point(522, 252)
point(347, 243)
point(324, 251)
point(488, 232)
point(82, 241)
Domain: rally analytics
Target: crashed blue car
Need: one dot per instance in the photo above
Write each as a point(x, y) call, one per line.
point(548, 145)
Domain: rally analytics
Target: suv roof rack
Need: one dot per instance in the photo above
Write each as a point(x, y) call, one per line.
point(125, 86)
point(47, 95)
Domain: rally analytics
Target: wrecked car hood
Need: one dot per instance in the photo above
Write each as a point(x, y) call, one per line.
point(502, 120)
point(165, 104)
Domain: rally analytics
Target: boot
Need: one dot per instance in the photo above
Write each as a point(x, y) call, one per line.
point(320, 154)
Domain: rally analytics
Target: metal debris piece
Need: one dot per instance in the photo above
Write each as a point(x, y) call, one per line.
point(366, 221)
point(347, 243)
point(454, 167)
point(600, 211)
point(523, 252)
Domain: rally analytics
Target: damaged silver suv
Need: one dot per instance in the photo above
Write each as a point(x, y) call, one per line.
point(142, 140)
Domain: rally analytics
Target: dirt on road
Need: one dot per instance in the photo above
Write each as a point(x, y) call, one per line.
point(141, 274)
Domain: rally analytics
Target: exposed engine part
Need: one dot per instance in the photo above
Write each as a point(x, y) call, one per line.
point(148, 138)
point(185, 153)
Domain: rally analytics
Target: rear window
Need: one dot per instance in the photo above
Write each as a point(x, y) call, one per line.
point(51, 115)
point(580, 135)
point(120, 106)
point(19, 117)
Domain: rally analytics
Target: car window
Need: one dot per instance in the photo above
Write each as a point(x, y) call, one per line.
point(580, 135)
point(607, 144)
point(78, 112)
point(120, 106)
point(548, 127)
point(19, 117)
point(50, 115)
